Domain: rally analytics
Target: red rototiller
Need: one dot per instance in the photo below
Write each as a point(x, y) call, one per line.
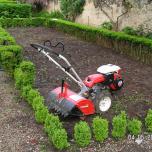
point(95, 94)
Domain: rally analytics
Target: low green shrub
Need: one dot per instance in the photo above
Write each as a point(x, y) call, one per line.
point(53, 14)
point(107, 25)
point(7, 39)
point(119, 124)
point(149, 35)
point(27, 67)
point(4, 34)
point(7, 1)
point(134, 126)
point(41, 113)
point(47, 122)
point(10, 57)
point(129, 30)
point(12, 10)
point(23, 22)
point(60, 139)
point(148, 120)
point(100, 129)
point(25, 91)
point(2, 29)
point(56, 14)
point(82, 134)
point(7, 59)
point(33, 93)
point(37, 102)
point(41, 14)
point(17, 54)
point(51, 124)
point(25, 74)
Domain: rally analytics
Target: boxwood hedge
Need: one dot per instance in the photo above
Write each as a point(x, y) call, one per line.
point(12, 10)
point(139, 48)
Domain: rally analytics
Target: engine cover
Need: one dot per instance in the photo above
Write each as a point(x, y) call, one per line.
point(109, 68)
point(93, 79)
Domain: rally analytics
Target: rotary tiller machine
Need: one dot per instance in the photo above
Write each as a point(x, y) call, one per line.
point(96, 90)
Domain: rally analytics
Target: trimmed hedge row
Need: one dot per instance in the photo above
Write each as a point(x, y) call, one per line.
point(12, 10)
point(139, 48)
point(24, 79)
point(10, 57)
point(8, 1)
point(24, 75)
point(22, 22)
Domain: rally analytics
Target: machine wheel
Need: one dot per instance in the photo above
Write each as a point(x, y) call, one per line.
point(102, 101)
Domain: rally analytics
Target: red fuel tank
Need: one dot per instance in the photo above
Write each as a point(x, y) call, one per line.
point(93, 79)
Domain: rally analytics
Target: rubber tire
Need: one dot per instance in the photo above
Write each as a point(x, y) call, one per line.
point(101, 94)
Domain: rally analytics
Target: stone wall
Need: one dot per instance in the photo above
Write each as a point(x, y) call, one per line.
point(139, 14)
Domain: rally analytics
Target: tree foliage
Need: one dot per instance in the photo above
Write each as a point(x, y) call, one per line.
point(108, 8)
point(72, 8)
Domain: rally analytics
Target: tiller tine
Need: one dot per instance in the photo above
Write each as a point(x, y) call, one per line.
point(67, 102)
point(59, 103)
point(62, 106)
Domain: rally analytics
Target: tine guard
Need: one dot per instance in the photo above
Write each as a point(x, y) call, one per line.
point(69, 103)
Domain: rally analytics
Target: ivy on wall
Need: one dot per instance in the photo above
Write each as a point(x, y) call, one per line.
point(72, 8)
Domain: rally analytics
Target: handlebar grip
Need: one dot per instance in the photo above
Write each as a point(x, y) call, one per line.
point(42, 47)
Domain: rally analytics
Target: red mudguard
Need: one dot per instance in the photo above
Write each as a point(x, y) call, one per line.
point(86, 106)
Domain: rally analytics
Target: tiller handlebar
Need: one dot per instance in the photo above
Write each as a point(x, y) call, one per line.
point(46, 51)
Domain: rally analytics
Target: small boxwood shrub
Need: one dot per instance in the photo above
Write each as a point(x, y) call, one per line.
point(25, 74)
point(2, 30)
point(37, 102)
point(15, 49)
point(51, 125)
point(7, 59)
point(41, 113)
point(25, 91)
point(119, 124)
point(10, 57)
point(4, 34)
point(134, 127)
point(148, 120)
point(48, 122)
point(82, 134)
point(10, 40)
point(60, 139)
point(129, 30)
point(57, 14)
point(11, 10)
point(100, 129)
point(33, 93)
point(107, 25)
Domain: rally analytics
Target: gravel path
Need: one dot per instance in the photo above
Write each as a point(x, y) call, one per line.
point(19, 131)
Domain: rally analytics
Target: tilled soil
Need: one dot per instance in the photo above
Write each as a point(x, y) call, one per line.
point(135, 98)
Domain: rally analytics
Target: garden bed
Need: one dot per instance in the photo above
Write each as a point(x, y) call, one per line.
point(136, 96)
point(86, 57)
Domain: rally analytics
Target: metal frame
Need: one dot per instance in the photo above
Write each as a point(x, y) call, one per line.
point(75, 78)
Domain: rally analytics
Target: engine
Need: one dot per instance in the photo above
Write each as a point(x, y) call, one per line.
point(108, 75)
